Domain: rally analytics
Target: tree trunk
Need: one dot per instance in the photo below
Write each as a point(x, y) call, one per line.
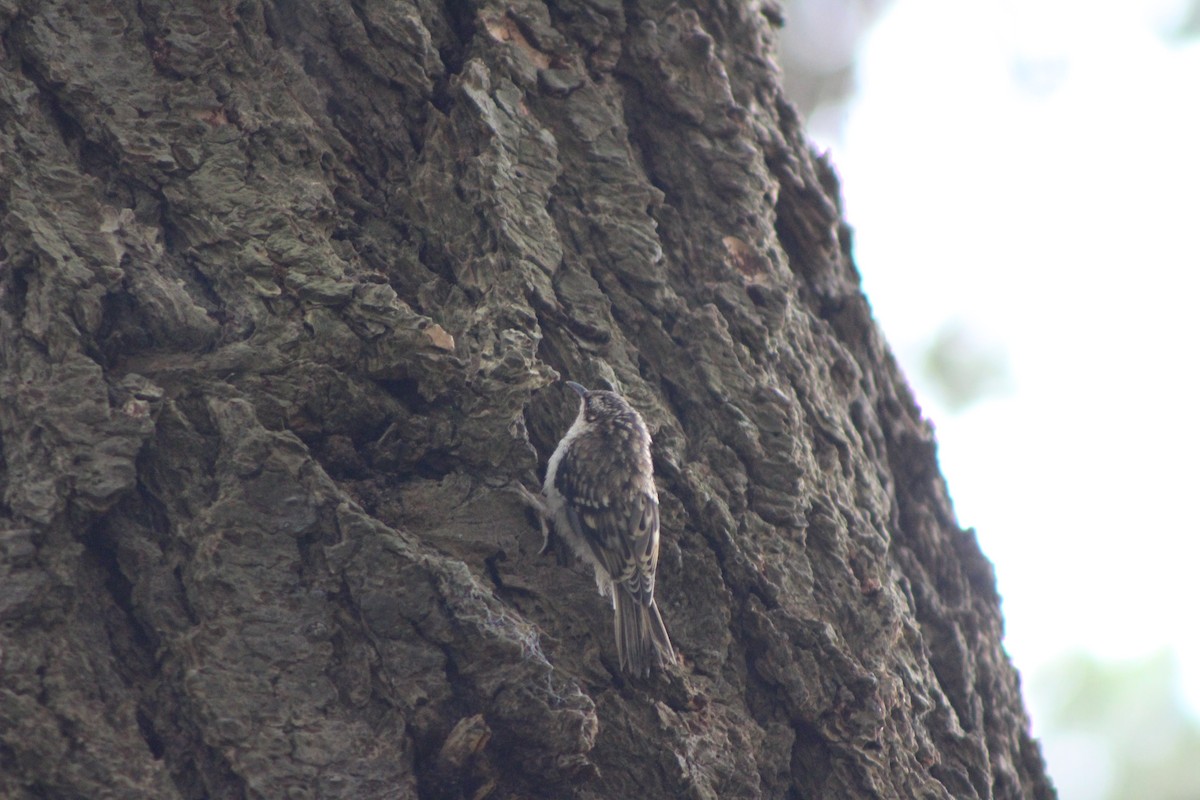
point(286, 291)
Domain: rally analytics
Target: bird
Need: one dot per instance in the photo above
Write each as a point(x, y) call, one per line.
point(600, 497)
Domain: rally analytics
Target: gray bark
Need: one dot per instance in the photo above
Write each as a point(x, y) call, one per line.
point(285, 292)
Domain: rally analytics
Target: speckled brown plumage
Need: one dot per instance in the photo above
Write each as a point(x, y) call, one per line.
point(600, 494)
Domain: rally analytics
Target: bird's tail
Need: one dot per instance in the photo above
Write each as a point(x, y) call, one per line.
point(642, 639)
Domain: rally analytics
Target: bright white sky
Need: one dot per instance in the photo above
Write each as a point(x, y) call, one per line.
point(1033, 168)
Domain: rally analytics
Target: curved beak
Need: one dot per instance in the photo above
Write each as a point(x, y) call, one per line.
point(582, 392)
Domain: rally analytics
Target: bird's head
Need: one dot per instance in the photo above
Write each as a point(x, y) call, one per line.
point(598, 405)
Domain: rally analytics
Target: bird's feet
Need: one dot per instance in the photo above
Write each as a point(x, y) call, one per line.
point(538, 504)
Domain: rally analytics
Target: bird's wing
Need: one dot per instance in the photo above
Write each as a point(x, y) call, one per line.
point(620, 527)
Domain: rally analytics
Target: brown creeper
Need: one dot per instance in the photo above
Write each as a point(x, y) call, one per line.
point(599, 493)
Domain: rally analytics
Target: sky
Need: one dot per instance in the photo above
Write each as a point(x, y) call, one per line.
point(1030, 171)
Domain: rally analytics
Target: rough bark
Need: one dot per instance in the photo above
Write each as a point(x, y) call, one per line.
point(285, 291)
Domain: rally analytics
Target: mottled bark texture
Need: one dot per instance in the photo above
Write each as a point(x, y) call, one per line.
point(286, 289)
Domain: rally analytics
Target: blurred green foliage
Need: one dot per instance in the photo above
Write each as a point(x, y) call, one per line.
point(1118, 730)
point(962, 368)
point(1189, 26)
